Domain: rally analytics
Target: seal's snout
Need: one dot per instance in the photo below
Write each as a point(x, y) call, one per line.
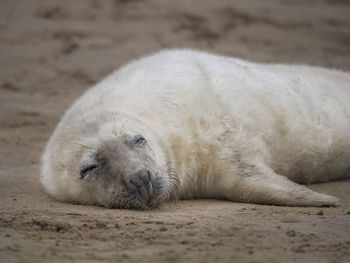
point(144, 185)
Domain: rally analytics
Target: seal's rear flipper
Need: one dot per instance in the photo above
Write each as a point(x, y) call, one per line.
point(273, 189)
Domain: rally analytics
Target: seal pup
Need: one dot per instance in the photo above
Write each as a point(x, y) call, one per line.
point(188, 124)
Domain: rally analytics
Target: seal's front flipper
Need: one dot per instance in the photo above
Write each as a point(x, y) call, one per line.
point(267, 187)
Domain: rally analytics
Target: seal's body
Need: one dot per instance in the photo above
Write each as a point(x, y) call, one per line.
point(188, 124)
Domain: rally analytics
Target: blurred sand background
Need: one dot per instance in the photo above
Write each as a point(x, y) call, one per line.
point(51, 51)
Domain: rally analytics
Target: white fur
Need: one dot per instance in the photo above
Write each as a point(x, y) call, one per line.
point(232, 128)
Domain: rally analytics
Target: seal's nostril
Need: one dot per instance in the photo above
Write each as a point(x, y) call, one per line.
point(144, 175)
point(145, 182)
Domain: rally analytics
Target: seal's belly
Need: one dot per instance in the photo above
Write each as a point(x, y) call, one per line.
point(311, 155)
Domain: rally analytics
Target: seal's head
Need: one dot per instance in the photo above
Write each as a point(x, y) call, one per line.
point(111, 160)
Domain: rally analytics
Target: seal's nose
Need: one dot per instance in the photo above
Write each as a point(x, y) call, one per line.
point(144, 183)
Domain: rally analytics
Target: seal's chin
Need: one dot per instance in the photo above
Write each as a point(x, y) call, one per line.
point(143, 190)
point(127, 200)
point(136, 203)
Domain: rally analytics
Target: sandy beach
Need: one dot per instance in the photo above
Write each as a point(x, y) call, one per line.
point(52, 51)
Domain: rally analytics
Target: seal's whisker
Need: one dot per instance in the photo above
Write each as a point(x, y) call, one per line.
point(122, 128)
point(174, 180)
point(83, 145)
point(115, 127)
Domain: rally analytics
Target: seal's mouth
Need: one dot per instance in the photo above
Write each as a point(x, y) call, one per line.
point(145, 190)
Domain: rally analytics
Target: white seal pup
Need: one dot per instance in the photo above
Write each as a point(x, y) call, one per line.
point(188, 124)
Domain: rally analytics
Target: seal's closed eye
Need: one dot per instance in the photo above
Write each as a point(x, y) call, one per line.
point(87, 170)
